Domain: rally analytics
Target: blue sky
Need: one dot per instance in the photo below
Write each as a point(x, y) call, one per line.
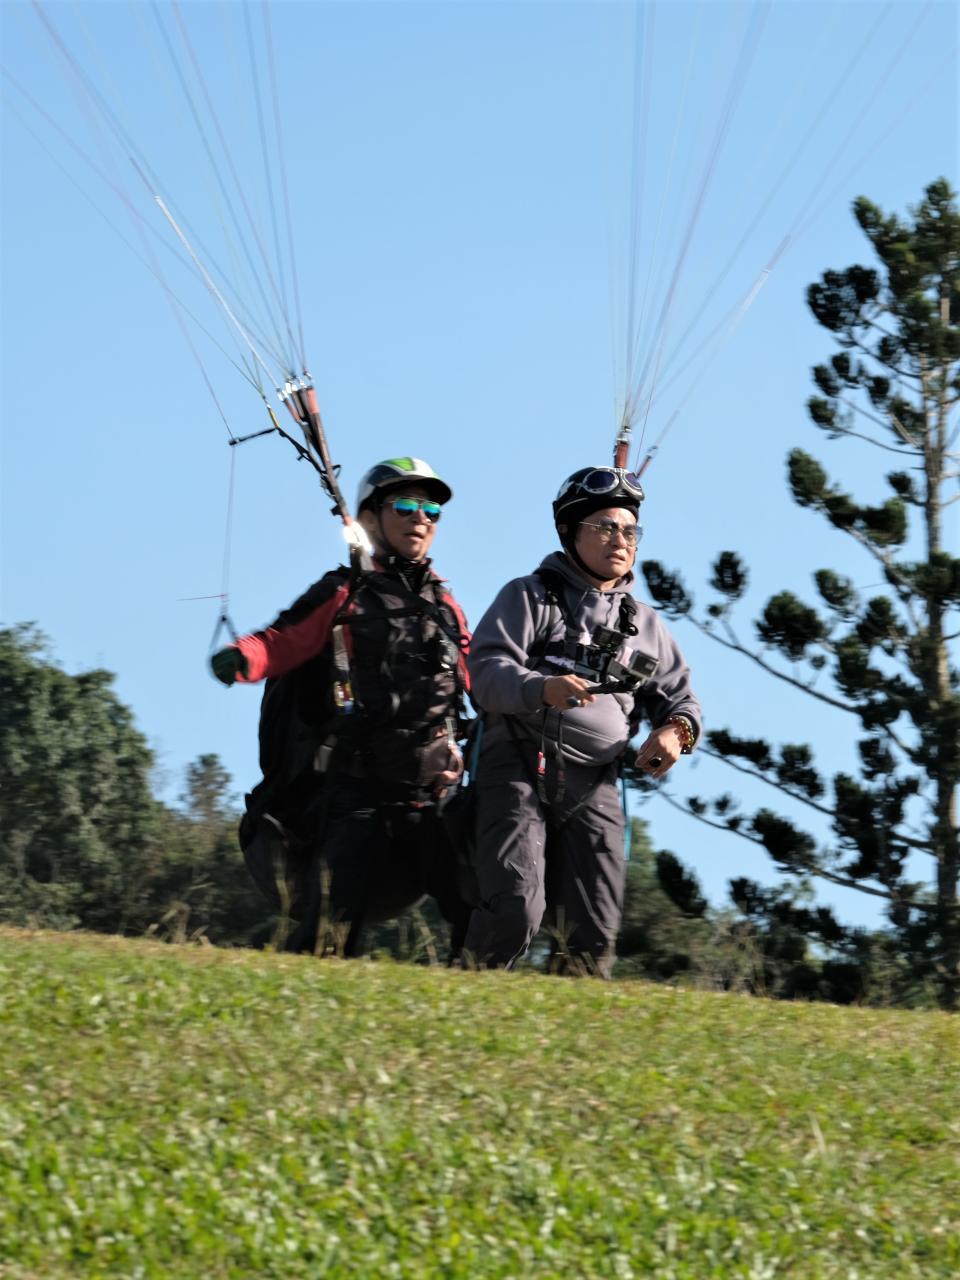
point(460, 182)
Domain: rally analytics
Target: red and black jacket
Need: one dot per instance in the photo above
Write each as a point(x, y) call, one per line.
point(397, 639)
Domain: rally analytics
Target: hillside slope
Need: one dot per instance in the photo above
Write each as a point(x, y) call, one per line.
point(185, 1112)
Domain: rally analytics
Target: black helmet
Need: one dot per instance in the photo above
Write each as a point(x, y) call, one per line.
point(593, 488)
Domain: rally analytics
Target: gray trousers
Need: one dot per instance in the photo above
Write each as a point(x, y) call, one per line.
point(558, 863)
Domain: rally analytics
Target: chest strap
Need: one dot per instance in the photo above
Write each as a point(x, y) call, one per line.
point(451, 641)
point(570, 653)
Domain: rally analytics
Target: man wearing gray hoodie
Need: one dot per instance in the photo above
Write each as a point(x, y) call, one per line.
point(565, 664)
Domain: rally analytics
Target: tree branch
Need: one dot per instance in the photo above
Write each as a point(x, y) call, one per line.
point(904, 434)
point(909, 841)
point(877, 444)
point(901, 585)
point(867, 323)
point(881, 422)
point(845, 882)
point(737, 647)
point(901, 373)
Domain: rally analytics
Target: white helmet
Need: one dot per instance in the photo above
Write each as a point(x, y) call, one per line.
point(393, 472)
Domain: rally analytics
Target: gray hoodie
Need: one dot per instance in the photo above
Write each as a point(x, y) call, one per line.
point(506, 682)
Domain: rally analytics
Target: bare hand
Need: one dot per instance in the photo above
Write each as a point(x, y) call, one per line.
point(450, 774)
point(566, 691)
point(660, 752)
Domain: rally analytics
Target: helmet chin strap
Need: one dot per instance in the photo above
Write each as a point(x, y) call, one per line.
point(568, 543)
point(386, 548)
point(384, 545)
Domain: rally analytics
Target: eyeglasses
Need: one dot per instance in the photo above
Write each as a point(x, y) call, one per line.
point(410, 507)
point(608, 529)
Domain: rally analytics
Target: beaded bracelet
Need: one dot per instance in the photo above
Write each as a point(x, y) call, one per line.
point(687, 735)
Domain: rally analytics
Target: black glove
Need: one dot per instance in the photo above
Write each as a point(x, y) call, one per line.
point(229, 663)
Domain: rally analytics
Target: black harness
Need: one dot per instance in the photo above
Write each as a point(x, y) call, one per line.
point(352, 725)
point(570, 654)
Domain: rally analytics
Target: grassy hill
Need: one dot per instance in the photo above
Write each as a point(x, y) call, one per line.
point(186, 1112)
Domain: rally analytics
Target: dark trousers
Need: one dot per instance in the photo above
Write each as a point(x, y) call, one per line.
point(560, 863)
point(373, 860)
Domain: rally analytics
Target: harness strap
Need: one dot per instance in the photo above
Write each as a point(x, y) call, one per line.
point(343, 691)
point(571, 647)
point(533, 777)
point(419, 607)
point(580, 658)
point(628, 611)
point(342, 683)
point(558, 757)
point(553, 588)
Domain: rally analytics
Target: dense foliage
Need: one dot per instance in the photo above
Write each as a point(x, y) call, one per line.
point(84, 843)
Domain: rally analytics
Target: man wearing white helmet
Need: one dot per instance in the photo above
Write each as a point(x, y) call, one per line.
point(565, 665)
point(360, 725)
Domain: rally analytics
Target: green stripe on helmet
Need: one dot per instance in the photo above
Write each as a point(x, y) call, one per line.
point(392, 472)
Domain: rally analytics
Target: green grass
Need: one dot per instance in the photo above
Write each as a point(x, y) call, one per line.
point(185, 1112)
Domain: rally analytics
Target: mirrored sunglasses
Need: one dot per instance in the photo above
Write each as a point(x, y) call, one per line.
point(410, 507)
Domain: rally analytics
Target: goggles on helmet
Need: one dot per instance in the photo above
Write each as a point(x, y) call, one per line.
point(602, 480)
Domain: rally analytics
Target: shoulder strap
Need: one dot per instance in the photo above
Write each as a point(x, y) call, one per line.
point(628, 611)
point(554, 595)
point(554, 587)
point(419, 606)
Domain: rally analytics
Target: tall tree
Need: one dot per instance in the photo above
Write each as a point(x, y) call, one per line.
point(83, 841)
point(79, 833)
point(894, 384)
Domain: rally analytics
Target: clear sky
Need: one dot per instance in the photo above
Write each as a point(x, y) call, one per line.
point(459, 181)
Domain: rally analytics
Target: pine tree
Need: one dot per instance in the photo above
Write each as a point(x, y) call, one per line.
point(893, 384)
point(664, 928)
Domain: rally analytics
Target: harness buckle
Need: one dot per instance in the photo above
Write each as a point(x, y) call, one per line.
point(343, 696)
